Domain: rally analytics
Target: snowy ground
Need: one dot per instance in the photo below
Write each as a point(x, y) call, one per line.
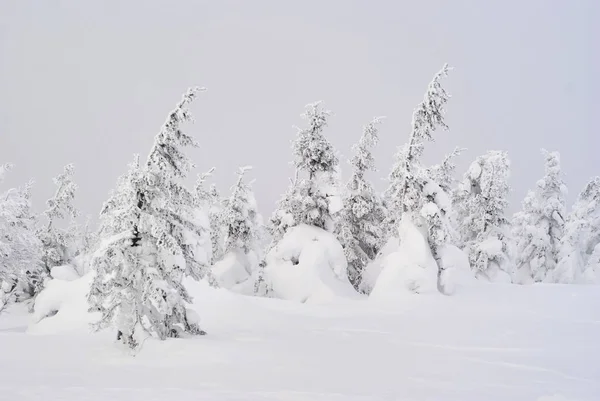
point(494, 342)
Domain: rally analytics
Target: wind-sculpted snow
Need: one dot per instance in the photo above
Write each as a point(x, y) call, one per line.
point(308, 265)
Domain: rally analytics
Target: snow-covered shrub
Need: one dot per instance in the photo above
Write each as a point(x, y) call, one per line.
point(62, 306)
point(308, 265)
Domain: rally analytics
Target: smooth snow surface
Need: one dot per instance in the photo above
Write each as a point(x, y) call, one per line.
point(489, 342)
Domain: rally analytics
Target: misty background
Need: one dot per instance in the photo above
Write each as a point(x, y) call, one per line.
point(90, 83)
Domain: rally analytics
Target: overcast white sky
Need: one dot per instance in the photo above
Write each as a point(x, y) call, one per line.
point(90, 82)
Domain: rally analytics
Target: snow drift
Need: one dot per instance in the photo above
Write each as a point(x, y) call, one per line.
point(412, 269)
point(308, 265)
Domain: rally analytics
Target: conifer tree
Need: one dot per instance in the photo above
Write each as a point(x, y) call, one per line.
point(209, 200)
point(359, 228)
point(538, 227)
point(241, 219)
point(313, 197)
point(59, 243)
point(153, 237)
point(412, 193)
point(21, 269)
point(480, 203)
point(580, 239)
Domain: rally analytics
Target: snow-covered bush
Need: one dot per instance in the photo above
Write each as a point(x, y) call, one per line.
point(62, 306)
point(308, 265)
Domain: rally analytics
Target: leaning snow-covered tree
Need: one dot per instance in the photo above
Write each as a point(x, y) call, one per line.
point(313, 197)
point(360, 226)
point(480, 203)
point(153, 235)
point(59, 242)
point(21, 268)
point(538, 227)
point(413, 194)
point(577, 255)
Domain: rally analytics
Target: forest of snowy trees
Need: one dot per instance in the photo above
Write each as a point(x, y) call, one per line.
point(432, 229)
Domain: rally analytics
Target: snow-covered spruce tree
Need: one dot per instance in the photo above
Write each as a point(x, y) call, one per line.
point(538, 227)
point(313, 197)
point(21, 269)
point(240, 217)
point(217, 232)
point(412, 193)
point(580, 239)
point(153, 236)
point(210, 200)
point(480, 204)
point(359, 228)
point(443, 173)
point(59, 243)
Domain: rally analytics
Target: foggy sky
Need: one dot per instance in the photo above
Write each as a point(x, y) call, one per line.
point(91, 82)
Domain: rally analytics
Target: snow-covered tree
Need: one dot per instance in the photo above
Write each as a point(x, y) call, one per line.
point(210, 200)
point(242, 225)
point(241, 218)
point(581, 236)
point(360, 226)
point(480, 204)
point(59, 242)
point(21, 269)
point(538, 227)
point(313, 197)
point(413, 193)
point(443, 173)
point(153, 235)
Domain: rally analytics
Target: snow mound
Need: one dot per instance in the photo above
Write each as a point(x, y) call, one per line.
point(499, 267)
point(374, 268)
point(62, 306)
point(308, 265)
point(411, 269)
point(457, 270)
point(64, 273)
point(235, 272)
